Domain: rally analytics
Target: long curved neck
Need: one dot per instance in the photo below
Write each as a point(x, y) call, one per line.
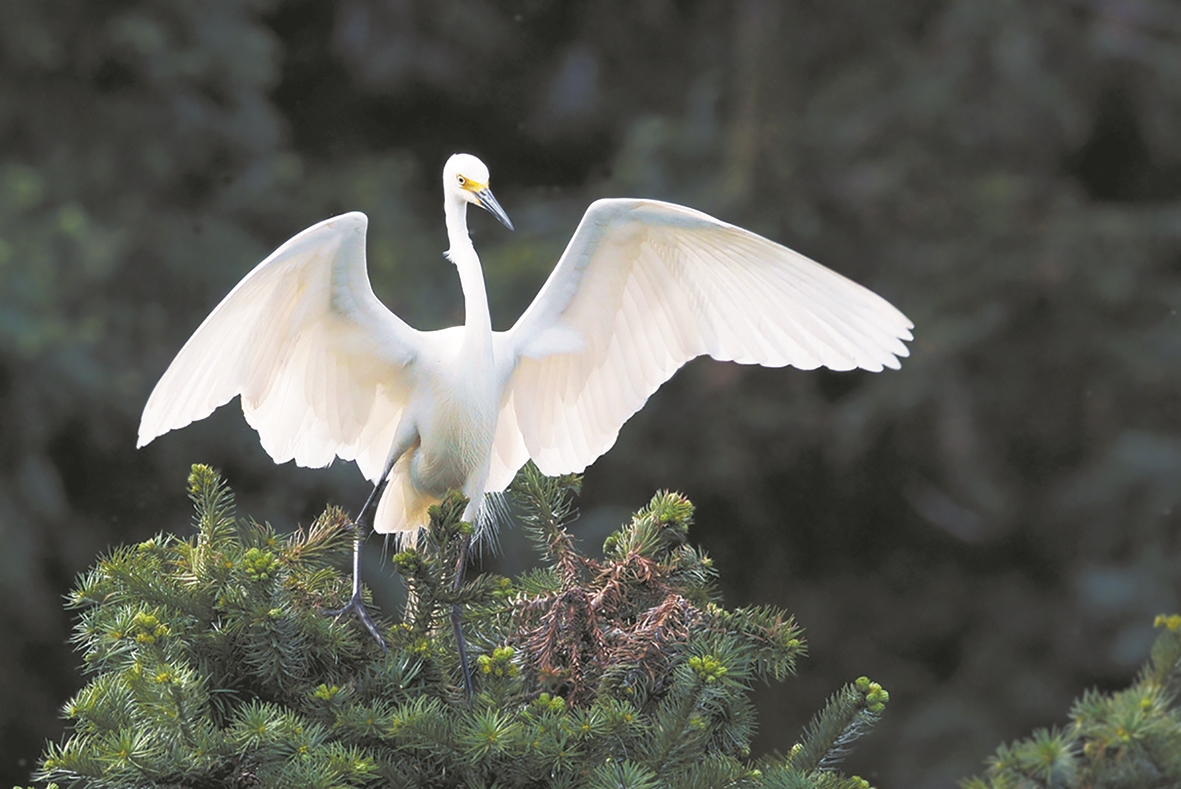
point(477, 320)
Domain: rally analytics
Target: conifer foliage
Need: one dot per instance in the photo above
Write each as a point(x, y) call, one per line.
point(1127, 739)
point(212, 665)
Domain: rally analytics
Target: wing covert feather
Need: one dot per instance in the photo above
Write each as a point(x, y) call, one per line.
point(322, 366)
point(645, 286)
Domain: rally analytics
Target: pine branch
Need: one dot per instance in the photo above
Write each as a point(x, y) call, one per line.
point(847, 715)
point(546, 508)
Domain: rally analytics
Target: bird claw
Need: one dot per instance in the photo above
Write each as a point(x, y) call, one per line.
point(357, 606)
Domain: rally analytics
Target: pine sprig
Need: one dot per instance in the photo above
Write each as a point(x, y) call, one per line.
point(211, 663)
point(547, 507)
point(214, 508)
point(1163, 669)
point(773, 637)
point(847, 714)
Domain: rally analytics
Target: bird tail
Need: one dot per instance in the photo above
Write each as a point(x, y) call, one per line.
point(402, 510)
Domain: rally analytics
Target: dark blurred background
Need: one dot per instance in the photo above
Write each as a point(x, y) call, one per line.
point(987, 532)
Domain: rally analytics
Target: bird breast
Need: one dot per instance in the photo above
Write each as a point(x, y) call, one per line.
point(456, 430)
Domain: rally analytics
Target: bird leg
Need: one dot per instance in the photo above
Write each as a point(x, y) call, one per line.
point(404, 438)
point(355, 604)
point(457, 618)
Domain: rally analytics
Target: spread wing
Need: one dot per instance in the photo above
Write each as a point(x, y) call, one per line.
point(322, 366)
point(645, 286)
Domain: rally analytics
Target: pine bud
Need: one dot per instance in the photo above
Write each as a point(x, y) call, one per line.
point(708, 668)
point(259, 564)
point(499, 664)
point(1169, 622)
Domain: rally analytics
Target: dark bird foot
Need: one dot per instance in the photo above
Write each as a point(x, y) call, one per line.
point(357, 606)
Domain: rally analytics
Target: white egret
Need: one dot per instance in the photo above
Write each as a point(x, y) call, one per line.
point(324, 370)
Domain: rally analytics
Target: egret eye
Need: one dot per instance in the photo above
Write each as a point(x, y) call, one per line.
point(461, 180)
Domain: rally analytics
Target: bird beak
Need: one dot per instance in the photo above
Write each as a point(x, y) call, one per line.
point(489, 204)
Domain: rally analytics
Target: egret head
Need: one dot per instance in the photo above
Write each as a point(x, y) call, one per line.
point(466, 178)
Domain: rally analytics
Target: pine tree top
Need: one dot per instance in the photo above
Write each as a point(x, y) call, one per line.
point(211, 663)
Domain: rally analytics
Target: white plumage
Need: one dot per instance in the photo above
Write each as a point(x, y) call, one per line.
point(324, 370)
